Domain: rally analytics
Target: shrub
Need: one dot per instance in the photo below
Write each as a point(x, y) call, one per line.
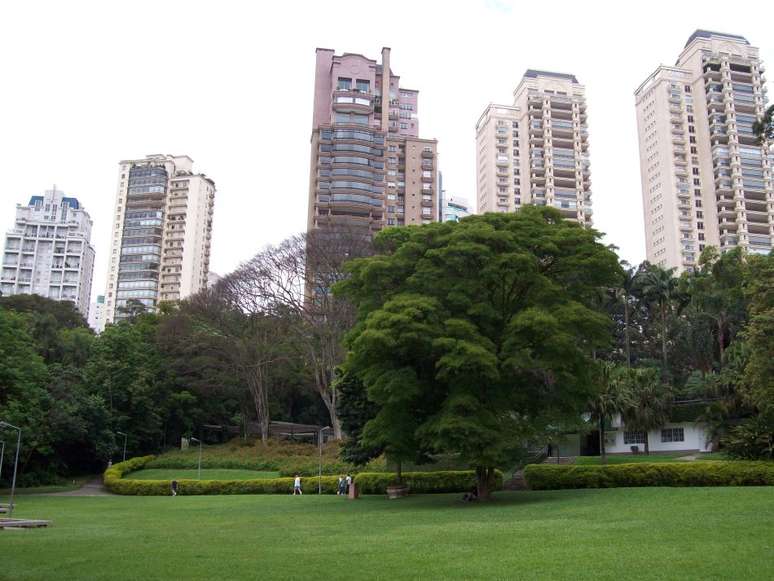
point(753, 439)
point(553, 477)
point(422, 482)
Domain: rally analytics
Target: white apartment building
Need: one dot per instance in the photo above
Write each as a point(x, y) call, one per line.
point(454, 208)
point(48, 251)
point(705, 178)
point(536, 151)
point(96, 318)
point(162, 229)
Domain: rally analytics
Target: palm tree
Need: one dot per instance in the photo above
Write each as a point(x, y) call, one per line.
point(659, 286)
point(613, 398)
point(650, 404)
point(624, 292)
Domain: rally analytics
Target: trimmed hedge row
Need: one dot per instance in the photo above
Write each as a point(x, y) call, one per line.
point(422, 482)
point(713, 473)
point(289, 466)
point(367, 482)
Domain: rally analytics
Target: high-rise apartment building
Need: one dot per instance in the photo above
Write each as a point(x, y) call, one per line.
point(705, 178)
point(162, 228)
point(97, 314)
point(536, 151)
point(48, 251)
point(369, 168)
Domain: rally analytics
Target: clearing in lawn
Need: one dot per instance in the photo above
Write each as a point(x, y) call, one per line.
point(193, 474)
point(647, 533)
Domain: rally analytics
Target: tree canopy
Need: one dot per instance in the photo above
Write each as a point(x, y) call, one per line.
point(472, 335)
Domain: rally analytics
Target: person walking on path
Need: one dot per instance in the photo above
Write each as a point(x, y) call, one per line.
point(342, 489)
point(297, 485)
point(349, 482)
point(173, 485)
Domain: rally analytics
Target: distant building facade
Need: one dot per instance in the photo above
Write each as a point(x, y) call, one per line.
point(369, 168)
point(454, 209)
point(706, 180)
point(162, 232)
point(97, 314)
point(536, 151)
point(48, 251)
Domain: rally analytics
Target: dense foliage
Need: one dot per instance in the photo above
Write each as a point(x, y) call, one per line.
point(472, 336)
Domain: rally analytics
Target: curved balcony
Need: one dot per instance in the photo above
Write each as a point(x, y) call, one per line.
point(350, 101)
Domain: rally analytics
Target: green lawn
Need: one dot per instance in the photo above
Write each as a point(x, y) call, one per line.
point(207, 474)
point(645, 533)
point(632, 458)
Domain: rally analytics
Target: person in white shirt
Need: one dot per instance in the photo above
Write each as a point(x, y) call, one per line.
point(297, 485)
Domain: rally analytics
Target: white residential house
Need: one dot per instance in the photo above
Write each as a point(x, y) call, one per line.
point(672, 437)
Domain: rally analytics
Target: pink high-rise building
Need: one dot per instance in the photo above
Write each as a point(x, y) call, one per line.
point(368, 168)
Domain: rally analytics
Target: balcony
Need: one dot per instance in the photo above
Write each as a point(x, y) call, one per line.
point(427, 153)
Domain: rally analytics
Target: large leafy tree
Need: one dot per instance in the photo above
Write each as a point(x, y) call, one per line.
point(473, 335)
point(612, 397)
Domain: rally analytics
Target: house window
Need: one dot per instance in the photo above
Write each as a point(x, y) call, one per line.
point(634, 437)
point(673, 435)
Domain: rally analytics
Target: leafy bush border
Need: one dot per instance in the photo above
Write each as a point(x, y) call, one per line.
point(713, 473)
point(367, 482)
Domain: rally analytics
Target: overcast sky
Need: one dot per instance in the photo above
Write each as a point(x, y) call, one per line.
point(84, 85)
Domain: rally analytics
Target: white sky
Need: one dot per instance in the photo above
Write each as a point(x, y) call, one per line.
point(84, 85)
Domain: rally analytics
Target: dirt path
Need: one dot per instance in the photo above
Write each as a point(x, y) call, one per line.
point(91, 488)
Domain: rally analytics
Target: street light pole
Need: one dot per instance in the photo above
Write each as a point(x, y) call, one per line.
point(319, 468)
point(124, 435)
point(200, 457)
point(2, 455)
point(15, 463)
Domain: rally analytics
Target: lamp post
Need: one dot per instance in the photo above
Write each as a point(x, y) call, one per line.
point(319, 468)
point(200, 456)
point(124, 435)
point(15, 463)
point(2, 455)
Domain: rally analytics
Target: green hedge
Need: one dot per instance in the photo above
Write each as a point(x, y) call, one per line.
point(367, 482)
point(289, 466)
point(422, 482)
point(716, 473)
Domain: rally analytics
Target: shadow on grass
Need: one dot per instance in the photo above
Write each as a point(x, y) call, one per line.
point(499, 500)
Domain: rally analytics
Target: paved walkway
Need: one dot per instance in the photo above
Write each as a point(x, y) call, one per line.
point(91, 488)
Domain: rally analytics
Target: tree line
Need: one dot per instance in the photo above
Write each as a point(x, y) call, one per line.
point(476, 339)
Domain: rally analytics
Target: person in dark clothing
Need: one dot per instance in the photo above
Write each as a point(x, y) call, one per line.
point(470, 496)
point(173, 485)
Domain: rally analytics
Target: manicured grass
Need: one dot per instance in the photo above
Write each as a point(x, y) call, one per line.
point(632, 458)
point(65, 486)
point(207, 474)
point(653, 533)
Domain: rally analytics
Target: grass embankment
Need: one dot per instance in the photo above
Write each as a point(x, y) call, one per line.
point(283, 457)
point(660, 457)
point(193, 474)
point(653, 533)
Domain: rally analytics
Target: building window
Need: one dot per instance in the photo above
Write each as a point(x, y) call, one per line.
point(673, 435)
point(344, 84)
point(362, 86)
point(634, 437)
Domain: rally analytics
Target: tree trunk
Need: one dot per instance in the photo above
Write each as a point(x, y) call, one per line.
point(602, 452)
point(399, 472)
point(721, 340)
point(626, 332)
point(255, 382)
point(330, 405)
point(484, 482)
point(647, 445)
point(664, 336)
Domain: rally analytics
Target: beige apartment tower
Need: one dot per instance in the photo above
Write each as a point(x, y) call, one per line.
point(705, 178)
point(162, 228)
point(536, 151)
